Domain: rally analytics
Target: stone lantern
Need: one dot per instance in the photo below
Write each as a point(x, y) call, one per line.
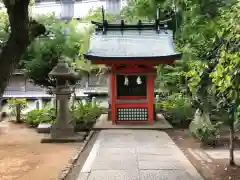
point(63, 128)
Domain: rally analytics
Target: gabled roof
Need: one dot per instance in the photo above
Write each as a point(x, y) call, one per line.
point(131, 42)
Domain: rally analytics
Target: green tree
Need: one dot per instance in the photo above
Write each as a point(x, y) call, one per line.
point(226, 75)
point(4, 28)
point(63, 39)
point(22, 31)
point(70, 39)
point(96, 15)
point(16, 106)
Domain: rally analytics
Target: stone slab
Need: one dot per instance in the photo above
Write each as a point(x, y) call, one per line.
point(116, 157)
point(113, 175)
point(76, 138)
point(156, 151)
point(123, 151)
point(159, 158)
point(44, 128)
point(164, 175)
point(221, 154)
point(159, 165)
point(203, 155)
point(115, 162)
point(83, 176)
point(88, 164)
point(194, 154)
point(159, 124)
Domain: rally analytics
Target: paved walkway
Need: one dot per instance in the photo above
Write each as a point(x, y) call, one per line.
point(136, 155)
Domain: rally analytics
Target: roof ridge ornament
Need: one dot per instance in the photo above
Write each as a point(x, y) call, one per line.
point(157, 21)
point(158, 26)
point(139, 26)
point(104, 22)
point(122, 26)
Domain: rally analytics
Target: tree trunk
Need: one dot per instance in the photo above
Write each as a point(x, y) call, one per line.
point(231, 144)
point(23, 32)
point(18, 113)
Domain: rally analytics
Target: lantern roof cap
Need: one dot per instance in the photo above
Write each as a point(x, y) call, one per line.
point(62, 69)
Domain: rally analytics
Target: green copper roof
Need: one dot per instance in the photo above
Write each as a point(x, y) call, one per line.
point(132, 44)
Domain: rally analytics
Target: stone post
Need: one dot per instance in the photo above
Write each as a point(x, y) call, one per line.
point(94, 101)
point(53, 102)
point(37, 104)
point(64, 126)
point(40, 104)
point(86, 86)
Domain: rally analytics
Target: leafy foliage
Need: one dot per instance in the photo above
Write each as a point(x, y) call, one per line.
point(35, 117)
point(4, 28)
point(177, 108)
point(96, 15)
point(14, 102)
point(84, 115)
point(203, 129)
point(63, 39)
point(226, 73)
point(69, 39)
point(86, 112)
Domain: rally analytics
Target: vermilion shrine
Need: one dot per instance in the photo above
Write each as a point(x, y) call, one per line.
point(132, 52)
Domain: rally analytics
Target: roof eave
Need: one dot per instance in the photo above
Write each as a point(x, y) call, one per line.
point(158, 58)
point(112, 60)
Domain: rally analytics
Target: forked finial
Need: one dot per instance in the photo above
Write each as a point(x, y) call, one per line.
point(158, 13)
point(105, 23)
point(158, 19)
point(103, 14)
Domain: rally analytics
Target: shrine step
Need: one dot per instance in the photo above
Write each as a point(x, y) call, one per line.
point(159, 124)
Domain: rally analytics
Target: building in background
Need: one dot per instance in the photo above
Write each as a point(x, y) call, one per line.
point(19, 86)
point(74, 8)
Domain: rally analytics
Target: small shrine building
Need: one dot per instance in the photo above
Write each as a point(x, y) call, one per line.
point(132, 52)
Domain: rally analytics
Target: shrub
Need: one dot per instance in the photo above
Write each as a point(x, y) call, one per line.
point(37, 116)
point(32, 117)
point(177, 109)
point(16, 106)
point(86, 112)
point(203, 129)
point(12, 104)
point(83, 114)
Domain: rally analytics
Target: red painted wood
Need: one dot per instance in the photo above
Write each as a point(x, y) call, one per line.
point(131, 122)
point(131, 105)
point(113, 98)
point(150, 94)
point(149, 71)
point(132, 97)
point(136, 70)
point(129, 62)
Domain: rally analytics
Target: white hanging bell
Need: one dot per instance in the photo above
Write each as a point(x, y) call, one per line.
point(139, 81)
point(126, 81)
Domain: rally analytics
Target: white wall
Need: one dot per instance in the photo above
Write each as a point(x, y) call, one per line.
point(81, 9)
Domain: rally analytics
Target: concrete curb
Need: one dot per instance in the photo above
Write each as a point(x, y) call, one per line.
point(65, 171)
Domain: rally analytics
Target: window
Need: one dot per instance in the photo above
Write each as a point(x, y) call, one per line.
point(135, 86)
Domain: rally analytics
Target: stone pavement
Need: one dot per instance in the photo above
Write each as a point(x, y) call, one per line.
point(136, 155)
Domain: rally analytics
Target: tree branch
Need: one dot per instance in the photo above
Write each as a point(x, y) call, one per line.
point(23, 32)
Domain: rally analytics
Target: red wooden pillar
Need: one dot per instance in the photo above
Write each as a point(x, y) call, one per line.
point(150, 97)
point(114, 95)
